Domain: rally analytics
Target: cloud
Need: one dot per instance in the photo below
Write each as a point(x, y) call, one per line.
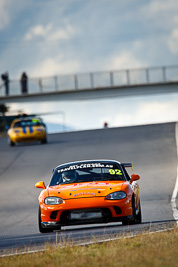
point(115, 35)
point(173, 41)
point(49, 33)
point(117, 112)
point(63, 34)
point(38, 31)
point(162, 5)
point(156, 8)
point(125, 60)
point(163, 18)
point(148, 112)
point(51, 66)
point(4, 16)
point(9, 12)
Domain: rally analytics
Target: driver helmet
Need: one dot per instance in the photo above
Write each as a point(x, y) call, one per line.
point(69, 176)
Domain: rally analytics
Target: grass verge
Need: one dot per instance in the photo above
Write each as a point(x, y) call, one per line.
point(159, 249)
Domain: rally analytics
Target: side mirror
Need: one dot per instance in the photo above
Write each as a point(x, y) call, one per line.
point(134, 177)
point(40, 184)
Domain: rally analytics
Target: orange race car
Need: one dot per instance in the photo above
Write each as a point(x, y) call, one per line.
point(27, 129)
point(92, 191)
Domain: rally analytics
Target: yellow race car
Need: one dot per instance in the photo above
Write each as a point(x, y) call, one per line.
point(27, 129)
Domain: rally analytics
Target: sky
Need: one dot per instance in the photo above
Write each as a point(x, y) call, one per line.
point(53, 37)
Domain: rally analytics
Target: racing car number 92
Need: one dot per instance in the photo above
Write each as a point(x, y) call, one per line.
point(116, 171)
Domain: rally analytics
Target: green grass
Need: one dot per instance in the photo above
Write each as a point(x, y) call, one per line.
point(159, 249)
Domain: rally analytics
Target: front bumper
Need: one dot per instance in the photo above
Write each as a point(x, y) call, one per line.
point(57, 225)
point(109, 210)
point(28, 138)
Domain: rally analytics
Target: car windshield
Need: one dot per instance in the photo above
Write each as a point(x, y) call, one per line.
point(27, 123)
point(87, 173)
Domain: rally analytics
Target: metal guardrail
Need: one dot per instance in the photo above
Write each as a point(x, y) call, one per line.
point(142, 76)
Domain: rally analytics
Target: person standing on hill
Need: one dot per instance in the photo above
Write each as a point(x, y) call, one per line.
point(24, 81)
point(5, 78)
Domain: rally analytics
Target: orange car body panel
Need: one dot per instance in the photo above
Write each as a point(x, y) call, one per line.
point(88, 195)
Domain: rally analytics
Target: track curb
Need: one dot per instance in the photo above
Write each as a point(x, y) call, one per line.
point(175, 191)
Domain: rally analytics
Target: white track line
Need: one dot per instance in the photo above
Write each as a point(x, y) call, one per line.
point(89, 242)
point(174, 194)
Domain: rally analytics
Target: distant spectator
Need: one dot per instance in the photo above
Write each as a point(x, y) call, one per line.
point(24, 83)
point(5, 78)
point(105, 125)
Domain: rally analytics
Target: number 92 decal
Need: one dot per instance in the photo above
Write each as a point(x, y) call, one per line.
point(115, 171)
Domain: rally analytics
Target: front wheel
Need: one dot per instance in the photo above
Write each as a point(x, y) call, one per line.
point(41, 229)
point(126, 222)
point(10, 142)
point(134, 216)
point(139, 215)
point(44, 141)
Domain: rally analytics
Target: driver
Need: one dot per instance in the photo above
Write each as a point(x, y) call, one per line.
point(69, 176)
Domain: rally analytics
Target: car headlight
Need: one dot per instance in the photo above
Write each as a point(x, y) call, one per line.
point(53, 200)
point(116, 195)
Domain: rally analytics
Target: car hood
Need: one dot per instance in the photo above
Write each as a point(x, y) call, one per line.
point(83, 190)
point(26, 129)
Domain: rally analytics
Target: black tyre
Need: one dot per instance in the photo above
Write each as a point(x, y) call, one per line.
point(133, 220)
point(44, 141)
point(126, 222)
point(139, 215)
point(10, 142)
point(41, 229)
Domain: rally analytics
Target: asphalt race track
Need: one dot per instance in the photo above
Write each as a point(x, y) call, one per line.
point(152, 149)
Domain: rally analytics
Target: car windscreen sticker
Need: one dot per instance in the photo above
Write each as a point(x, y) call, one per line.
point(86, 166)
point(24, 130)
point(115, 172)
point(35, 120)
point(31, 129)
point(84, 194)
